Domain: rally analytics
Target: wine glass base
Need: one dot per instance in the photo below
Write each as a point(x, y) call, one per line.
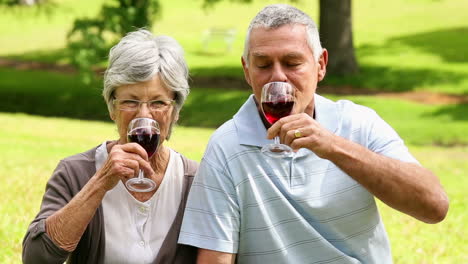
point(277, 151)
point(140, 185)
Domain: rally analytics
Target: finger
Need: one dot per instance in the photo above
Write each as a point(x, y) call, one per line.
point(276, 128)
point(135, 148)
point(145, 166)
point(137, 163)
point(298, 121)
point(287, 133)
point(299, 143)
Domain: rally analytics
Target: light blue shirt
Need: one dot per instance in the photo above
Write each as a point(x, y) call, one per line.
point(302, 209)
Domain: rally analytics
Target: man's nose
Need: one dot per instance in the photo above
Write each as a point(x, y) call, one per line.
point(278, 74)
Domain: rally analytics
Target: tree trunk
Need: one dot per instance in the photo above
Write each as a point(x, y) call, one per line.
point(336, 35)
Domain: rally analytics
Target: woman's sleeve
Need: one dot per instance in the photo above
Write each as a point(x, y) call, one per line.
point(38, 247)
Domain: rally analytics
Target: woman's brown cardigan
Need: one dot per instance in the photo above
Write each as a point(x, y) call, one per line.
point(68, 179)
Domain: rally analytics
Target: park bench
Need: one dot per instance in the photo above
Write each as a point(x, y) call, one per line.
point(214, 35)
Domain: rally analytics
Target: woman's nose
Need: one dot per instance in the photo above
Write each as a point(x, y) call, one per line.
point(144, 111)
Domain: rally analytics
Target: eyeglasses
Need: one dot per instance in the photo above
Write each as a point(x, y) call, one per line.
point(132, 105)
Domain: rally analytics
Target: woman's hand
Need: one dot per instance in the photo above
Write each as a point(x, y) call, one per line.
point(302, 131)
point(124, 162)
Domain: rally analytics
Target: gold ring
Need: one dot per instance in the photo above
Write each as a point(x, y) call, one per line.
point(297, 133)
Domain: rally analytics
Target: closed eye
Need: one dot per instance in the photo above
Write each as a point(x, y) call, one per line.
point(129, 102)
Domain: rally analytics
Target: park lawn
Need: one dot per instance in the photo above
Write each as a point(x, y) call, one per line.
point(31, 146)
point(401, 45)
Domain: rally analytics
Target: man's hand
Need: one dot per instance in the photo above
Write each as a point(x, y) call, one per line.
point(312, 135)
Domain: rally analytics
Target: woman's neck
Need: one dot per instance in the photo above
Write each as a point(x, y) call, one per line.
point(160, 159)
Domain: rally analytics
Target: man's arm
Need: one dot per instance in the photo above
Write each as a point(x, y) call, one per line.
point(404, 186)
point(206, 256)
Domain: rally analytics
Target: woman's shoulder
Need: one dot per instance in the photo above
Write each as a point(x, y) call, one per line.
point(86, 156)
point(190, 166)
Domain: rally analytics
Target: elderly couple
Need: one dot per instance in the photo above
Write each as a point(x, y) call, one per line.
point(316, 205)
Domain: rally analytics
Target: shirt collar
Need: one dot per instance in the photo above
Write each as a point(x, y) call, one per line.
point(251, 131)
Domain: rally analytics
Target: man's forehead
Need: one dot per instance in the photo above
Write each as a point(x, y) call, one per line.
point(288, 55)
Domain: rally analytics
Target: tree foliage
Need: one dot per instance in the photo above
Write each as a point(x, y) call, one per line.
point(90, 38)
point(21, 2)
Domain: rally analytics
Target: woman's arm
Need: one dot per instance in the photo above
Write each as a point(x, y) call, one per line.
point(66, 226)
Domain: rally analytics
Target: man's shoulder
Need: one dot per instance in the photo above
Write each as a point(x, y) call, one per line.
point(224, 134)
point(223, 143)
point(348, 110)
point(345, 105)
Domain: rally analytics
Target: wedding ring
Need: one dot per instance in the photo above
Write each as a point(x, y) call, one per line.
point(297, 133)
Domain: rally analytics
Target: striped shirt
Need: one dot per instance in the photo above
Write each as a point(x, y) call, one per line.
point(301, 209)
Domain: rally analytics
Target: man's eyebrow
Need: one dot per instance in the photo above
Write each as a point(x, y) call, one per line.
point(294, 55)
point(259, 55)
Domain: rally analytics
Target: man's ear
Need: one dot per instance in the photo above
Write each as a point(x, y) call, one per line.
point(246, 71)
point(112, 116)
point(323, 60)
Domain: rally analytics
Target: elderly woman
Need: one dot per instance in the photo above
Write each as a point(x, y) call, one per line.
point(87, 214)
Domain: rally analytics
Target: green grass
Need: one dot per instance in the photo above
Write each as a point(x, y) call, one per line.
point(31, 146)
point(401, 45)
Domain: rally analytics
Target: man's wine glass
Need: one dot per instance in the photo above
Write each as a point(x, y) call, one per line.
point(277, 101)
point(144, 131)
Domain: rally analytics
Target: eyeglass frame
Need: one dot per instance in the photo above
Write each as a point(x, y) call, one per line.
point(160, 109)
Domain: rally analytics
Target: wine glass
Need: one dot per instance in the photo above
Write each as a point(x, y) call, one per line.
point(277, 101)
point(144, 131)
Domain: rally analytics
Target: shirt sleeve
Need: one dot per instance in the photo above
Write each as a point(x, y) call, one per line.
point(211, 219)
point(383, 139)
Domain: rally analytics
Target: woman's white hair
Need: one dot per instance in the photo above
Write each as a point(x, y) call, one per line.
point(277, 15)
point(138, 57)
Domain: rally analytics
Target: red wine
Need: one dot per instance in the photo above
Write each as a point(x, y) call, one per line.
point(275, 110)
point(147, 138)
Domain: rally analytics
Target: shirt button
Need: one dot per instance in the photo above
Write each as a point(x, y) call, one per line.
point(143, 209)
point(142, 243)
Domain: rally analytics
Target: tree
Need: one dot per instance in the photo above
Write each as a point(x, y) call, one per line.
point(21, 2)
point(336, 35)
point(90, 39)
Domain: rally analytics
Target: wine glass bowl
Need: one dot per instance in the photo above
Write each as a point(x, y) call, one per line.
point(277, 102)
point(145, 132)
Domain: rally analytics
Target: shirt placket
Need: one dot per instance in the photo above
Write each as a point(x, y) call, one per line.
point(142, 216)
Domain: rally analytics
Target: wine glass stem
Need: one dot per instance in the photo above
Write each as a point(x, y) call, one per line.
point(277, 140)
point(140, 175)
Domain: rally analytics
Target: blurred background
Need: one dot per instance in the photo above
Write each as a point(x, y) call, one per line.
point(407, 59)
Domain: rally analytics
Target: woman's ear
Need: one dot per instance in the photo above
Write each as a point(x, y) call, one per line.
point(112, 116)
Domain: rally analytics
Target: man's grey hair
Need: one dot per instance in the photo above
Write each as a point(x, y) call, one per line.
point(138, 57)
point(277, 15)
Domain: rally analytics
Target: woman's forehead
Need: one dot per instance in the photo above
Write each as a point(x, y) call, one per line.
point(151, 88)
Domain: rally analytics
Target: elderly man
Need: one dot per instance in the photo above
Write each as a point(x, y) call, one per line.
point(316, 205)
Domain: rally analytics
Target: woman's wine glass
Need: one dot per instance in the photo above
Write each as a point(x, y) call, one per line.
point(144, 131)
point(277, 101)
